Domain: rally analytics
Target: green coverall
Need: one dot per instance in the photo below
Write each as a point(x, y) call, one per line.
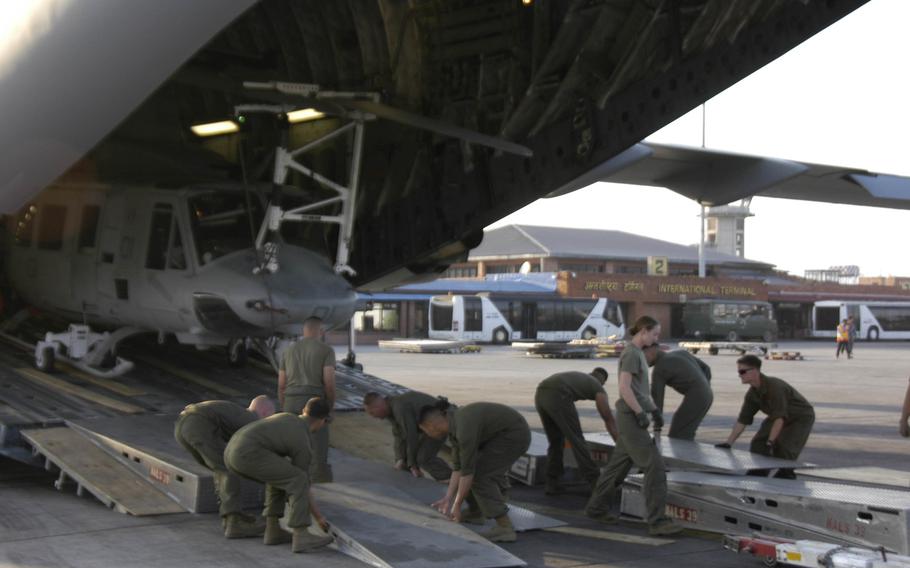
point(778, 399)
point(276, 451)
point(303, 362)
point(412, 446)
point(555, 402)
point(689, 376)
point(634, 447)
point(486, 439)
point(203, 429)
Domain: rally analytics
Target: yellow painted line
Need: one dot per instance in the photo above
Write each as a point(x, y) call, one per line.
point(609, 535)
point(108, 384)
point(191, 377)
point(69, 388)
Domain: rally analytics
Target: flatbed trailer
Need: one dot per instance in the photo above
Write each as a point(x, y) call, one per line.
point(715, 347)
point(556, 350)
point(428, 346)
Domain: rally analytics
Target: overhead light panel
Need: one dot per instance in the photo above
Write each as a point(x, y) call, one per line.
point(215, 128)
point(304, 115)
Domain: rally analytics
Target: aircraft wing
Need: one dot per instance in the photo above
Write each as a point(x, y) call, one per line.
point(716, 177)
point(72, 70)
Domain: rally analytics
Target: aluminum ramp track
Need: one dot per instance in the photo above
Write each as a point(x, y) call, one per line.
point(99, 473)
point(689, 455)
point(146, 445)
point(352, 384)
point(387, 528)
point(349, 469)
point(863, 516)
point(874, 476)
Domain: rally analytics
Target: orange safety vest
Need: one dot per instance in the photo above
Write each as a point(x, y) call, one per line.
point(843, 335)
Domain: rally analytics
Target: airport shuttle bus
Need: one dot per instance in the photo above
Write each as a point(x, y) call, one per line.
point(501, 319)
point(874, 320)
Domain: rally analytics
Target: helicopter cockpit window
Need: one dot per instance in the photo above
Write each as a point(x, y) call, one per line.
point(159, 234)
point(25, 226)
point(176, 258)
point(223, 223)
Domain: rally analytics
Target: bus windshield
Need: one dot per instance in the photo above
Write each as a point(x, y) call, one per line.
point(223, 223)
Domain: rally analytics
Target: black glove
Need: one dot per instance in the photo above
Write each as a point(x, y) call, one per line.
point(658, 419)
point(643, 420)
point(724, 446)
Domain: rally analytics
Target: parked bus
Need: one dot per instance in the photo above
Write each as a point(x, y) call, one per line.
point(873, 320)
point(501, 320)
point(732, 320)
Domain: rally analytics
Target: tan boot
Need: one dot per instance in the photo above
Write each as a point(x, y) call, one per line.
point(502, 532)
point(242, 526)
point(274, 534)
point(305, 541)
point(474, 517)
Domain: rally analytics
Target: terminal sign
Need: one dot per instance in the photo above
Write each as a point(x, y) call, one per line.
point(658, 266)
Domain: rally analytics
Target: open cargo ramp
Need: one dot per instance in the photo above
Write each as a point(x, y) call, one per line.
point(97, 472)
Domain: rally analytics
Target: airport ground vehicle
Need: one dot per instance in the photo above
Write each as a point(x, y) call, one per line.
point(504, 319)
point(874, 320)
point(732, 320)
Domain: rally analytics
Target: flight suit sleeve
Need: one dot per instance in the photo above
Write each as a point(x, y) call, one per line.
point(400, 442)
point(410, 435)
point(704, 369)
point(468, 442)
point(658, 386)
point(749, 409)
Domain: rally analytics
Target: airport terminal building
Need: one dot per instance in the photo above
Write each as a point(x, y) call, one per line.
point(643, 275)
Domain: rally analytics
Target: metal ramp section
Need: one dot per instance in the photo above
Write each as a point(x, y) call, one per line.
point(865, 475)
point(146, 445)
point(387, 528)
point(351, 470)
point(530, 468)
point(352, 384)
point(863, 516)
point(98, 473)
point(690, 455)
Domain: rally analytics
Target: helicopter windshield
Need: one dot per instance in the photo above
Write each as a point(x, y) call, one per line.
point(224, 222)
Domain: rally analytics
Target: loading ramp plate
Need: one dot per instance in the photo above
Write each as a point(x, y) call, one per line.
point(99, 473)
point(865, 516)
point(385, 527)
point(691, 455)
point(867, 475)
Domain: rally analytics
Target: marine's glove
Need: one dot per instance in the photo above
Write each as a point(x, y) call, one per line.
point(723, 446)
point(643, 420)
point(658, 419)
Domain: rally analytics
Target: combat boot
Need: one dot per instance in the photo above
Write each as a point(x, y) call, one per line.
point(665, 527)
point(305, 541)
point(551, 487)
point(274, 534)
point(503, 531)
point(242, 526)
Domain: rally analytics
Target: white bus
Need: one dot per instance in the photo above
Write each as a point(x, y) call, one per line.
point(504, 319)
point(874, 320)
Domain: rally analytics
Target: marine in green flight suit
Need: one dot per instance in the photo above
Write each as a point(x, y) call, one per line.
point(414, 450)
point(486, 439)
point(203, 429)
point(278, 451)
point(555, 403)
point(689, 376)
point(306, 371)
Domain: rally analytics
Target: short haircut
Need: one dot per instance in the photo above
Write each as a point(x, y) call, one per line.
point(750, 361)
point(600, 373)
point(316, 408)
point(431, 410)
point(644, 323)
point(370, 398)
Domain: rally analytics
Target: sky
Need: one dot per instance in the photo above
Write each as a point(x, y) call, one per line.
point(840, 98)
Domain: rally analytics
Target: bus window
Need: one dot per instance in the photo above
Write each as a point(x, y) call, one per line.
point(827, 317)
point(546, 316)
point(575, 313)
point(509, 310)
point(441, 315)
point(473, 314)
point(892, 318)
point(611, 313)
point(720, 310)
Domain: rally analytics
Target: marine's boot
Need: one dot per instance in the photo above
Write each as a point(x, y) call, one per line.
point(503, 531)
point(664, 527)
point(551, 487)
point(274, 534)
point(237, 525)
point(305, 541)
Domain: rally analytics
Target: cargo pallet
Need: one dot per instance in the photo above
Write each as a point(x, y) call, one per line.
point(785, 356)
point(715, 347)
